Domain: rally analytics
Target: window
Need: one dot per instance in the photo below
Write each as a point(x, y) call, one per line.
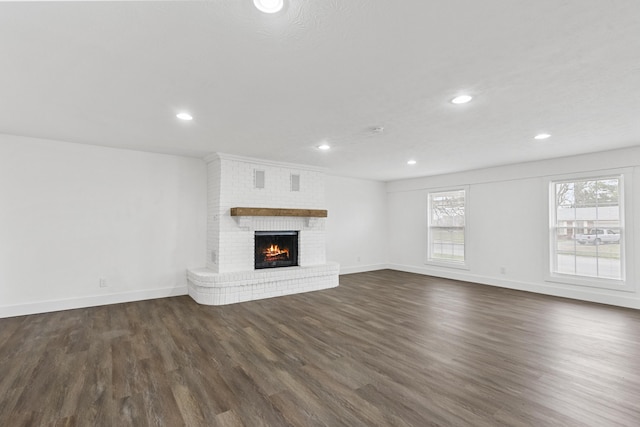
point(587, 230)
point(446, 227)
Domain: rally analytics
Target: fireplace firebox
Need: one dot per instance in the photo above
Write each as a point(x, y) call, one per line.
point(276, 249)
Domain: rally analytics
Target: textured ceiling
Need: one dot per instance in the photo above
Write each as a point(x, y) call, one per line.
point(276, 86)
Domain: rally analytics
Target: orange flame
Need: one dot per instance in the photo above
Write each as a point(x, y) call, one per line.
point(274, 251)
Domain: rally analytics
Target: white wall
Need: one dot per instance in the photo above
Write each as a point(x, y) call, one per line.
point(356, 223)
point(508, 223)
point(71, 214)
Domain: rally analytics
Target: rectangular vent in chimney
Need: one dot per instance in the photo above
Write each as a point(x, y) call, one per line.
point(258, 178)
point(295, 182)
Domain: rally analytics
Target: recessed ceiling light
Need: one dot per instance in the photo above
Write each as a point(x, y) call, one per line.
point(411, 162)
point(462, 99)
point(542, 136)
point(324, 147)
point(269, 6)
point(184, 116)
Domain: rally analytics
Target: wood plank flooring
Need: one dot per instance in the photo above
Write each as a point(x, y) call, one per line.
point(385, 348)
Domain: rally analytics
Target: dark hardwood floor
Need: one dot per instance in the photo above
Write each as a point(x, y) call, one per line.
point(383, 349)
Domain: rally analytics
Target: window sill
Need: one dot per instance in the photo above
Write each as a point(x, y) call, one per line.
point(591, 282)
point(448, 264)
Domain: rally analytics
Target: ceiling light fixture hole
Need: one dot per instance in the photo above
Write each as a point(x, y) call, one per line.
point(269, 6)
point(461, 99)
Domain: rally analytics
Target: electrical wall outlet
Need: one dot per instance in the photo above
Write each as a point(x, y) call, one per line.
point(103, 282)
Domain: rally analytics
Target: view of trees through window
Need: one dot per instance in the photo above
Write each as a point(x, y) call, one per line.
point(446, 226)
point(587, 233)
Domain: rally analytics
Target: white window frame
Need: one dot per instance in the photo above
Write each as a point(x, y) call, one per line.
point(464, 265)
point(626, 230)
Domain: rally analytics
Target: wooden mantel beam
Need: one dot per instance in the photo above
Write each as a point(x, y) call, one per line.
point(309, 213)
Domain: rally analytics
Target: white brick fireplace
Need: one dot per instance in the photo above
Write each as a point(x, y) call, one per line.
point(229, 275)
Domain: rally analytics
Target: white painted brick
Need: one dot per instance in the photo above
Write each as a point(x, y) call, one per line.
point(232, 277)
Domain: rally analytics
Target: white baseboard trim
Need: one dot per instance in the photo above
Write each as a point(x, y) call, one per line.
point(362, 268)
point(625, 299)
point(89, 301)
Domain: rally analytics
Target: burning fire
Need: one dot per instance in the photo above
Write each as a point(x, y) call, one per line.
point(274, 251)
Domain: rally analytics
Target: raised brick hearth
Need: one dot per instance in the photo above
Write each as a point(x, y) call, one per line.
point(229, 275)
